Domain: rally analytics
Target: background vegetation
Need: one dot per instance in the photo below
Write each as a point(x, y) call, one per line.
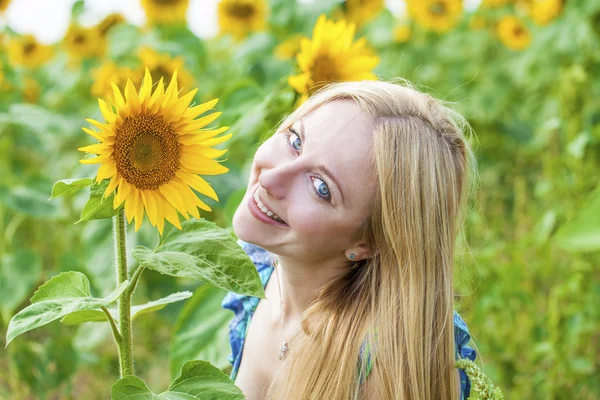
point(526, 75)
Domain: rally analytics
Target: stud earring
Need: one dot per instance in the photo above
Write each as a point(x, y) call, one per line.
point(352, 256)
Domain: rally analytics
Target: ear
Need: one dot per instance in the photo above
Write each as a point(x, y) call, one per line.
point(361, 252)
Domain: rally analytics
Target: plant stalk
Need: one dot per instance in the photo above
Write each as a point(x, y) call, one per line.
point(126, 346)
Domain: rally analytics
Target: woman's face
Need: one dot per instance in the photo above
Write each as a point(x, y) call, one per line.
point(317, 176)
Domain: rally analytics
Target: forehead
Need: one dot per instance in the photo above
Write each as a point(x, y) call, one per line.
point(339, 135)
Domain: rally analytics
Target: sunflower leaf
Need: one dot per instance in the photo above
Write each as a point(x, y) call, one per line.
point(198, 380)
point(203, 251)
point(68, 186)
point(79, 317)
point(96, 207)
point(61, 295)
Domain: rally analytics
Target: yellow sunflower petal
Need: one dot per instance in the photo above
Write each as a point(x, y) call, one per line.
point(139, 211)
point(197, 183)
point(146, 88)
point(202, 205)
point(122, 192)
point(150, 204)
point(175, 112)
point(171, 214)
point(95, 160)
point(157, 96)
point(119, 100)
point(107, 170)
point(200, 123)
point(215, 141)
point(204, 166)
point(107, 113)
point(111, 186)
point(171, 93)
point(99, 148)
point(173, 197)
point(131, 205)
point(133, 101)
point(196, 149)
point(188, 197)
point(195, 111)
point(160, 215)
point(201, 136)
point(95, 134)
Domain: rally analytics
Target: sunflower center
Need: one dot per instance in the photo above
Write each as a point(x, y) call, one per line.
point(324, 71)
point(146, 151)
point(165, 2)
point(437, 8)
point(241, 11)
point(518, 31)
point(79, 39)
point(29, 48)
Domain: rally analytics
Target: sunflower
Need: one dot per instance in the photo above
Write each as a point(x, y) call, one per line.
point(4, 5)
point(109, 22)
point(31, 90)
point(289, 48)
point(81, 42)
point(544, 11)
point(162, 65)
point(109, 73)
point(402, 33)
point(241, 17)
point(152, 147)
point(165, 11)
point(476, 22)
point(437, 15)
point(332, 56)
point(26, 51)
point(363, 11)
point(496, 3)
point(513, 33)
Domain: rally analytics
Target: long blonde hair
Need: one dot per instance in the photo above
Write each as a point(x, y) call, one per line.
point(400, 300)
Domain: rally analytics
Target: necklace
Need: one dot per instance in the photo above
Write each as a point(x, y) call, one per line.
point(284, 347)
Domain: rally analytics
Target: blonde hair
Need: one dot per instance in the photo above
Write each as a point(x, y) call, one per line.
point(400, 300)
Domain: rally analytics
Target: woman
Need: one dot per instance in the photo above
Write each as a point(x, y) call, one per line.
point(355, 203)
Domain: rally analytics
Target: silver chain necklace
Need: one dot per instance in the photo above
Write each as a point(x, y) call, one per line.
point(284, 347)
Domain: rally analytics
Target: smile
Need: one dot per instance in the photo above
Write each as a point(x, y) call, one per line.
point(261, 212)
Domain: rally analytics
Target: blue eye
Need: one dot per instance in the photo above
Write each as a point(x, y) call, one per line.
point(295, 142)
point(321, 187)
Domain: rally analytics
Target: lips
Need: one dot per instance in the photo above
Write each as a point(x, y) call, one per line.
point(270, 213)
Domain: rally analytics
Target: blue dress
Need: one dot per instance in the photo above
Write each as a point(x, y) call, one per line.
point(244, 306)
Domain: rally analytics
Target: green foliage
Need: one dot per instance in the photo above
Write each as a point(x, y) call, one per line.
point(198, 380)
point(205, 252)
point(69, 186)
point(98, 206)
point(481, 386)
point(61, 295)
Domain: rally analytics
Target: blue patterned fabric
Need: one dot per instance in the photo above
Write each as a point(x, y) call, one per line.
point(244, 306)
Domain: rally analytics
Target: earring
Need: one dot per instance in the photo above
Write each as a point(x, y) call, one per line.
point(352, 256)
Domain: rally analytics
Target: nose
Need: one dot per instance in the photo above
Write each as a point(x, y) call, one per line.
point(278, 179)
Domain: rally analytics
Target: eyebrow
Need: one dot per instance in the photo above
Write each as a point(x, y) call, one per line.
point(320, 166)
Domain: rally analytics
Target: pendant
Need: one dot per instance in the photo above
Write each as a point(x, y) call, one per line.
point(283, 349)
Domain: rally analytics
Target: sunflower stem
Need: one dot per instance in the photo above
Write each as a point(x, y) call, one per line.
point(126, 346)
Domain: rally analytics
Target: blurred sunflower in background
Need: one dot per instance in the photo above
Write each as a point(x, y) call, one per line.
point(543, 12)
point(81, 42)
point(289, 48)
point(31, 90)
point(165, 11)
point(332, 56)
point(362, 11)
point(107, 74)
point(26, 51)
point(109, 22)
point(242, 17)
point(4, 5)
point(436, 15)
point(496, 3)
point(402, 33)
point(163, 65)
point(152, 149)
point(513, 33)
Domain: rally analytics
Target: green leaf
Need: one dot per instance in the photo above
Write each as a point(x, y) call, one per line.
point(79, 317)
point(202, 330)
point(96, 207)
point(19, 272)
point(61, 295)
point(198, 380)
point(205, 252)
point(68, 186)
point(63, 286)
point(582, 234)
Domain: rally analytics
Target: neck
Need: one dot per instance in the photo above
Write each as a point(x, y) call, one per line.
point(300, 282)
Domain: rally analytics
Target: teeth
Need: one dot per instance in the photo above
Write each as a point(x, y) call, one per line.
point(264, 209)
